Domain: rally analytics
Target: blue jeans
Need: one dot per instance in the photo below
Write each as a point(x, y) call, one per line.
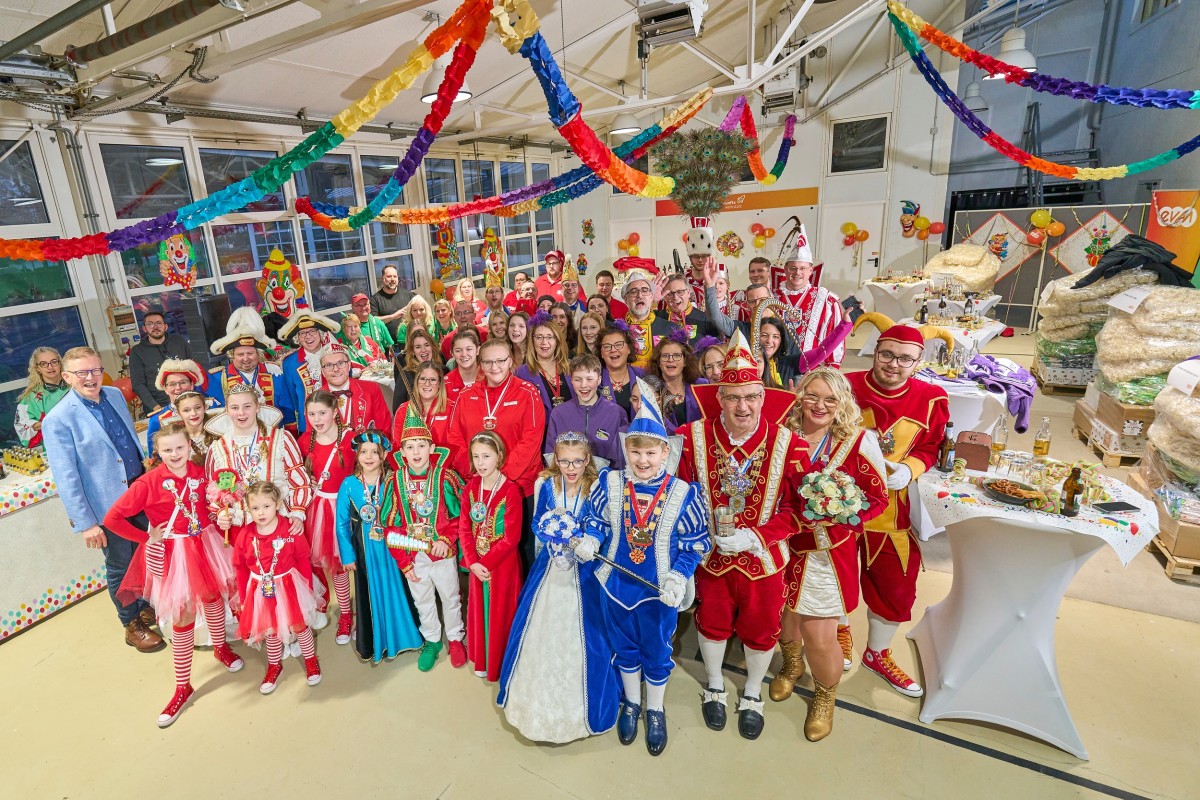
point(117, 555)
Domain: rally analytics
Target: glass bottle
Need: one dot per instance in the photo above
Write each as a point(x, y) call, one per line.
point(999, 438)
point(1041, 442)
point(1072, 492)
point(923, 311)
point(946, 452)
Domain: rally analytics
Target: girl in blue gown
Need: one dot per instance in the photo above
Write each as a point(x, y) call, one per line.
point(558, 683)
point(384, 615)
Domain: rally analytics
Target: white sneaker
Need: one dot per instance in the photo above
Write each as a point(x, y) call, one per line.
point(320, 621)
point(480, 674)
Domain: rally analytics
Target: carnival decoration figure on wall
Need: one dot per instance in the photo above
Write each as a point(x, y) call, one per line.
point(581, 264)
point(998, 244)
point(177, 262)
point(282, 290)
point(492, 251)
point(589, 232)
point(909, 211)
point(730, 244)
point(450, 265)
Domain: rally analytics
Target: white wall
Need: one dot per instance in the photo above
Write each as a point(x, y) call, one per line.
point(919, 134)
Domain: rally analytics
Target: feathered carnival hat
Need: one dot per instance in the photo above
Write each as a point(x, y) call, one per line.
point(538, 319)
point(700, 239)
point(180, 366)
point(570, 272)
point(649, 420)
point(374, 436)
point(800, 250)
point(741, 369)
point(244, 329)
point(302, 320)
point(414, 426)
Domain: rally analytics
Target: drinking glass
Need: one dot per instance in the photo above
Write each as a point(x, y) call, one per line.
point(1005, 462)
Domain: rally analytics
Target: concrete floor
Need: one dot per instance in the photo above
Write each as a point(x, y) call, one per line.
point(77, 713)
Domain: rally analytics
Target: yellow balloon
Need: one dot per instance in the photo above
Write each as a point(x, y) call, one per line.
point(633, 250)
point(849, 229)
point(921, 223)
point(760, 241)
point(1040, 218)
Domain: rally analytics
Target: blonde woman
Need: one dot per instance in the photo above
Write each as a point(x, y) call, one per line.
point(45, 388)
point(466, 294)
point(822, 577)
point(417, 314)
point(419, 348)
point(443, 319)
point(590, 325)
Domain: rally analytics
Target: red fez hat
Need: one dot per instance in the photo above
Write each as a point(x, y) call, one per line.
point(903, 333)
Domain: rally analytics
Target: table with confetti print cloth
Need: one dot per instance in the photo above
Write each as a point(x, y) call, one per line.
point(987, 650)
point(46, 566)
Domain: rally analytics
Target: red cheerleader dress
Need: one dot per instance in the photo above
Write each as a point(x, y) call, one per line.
point(191, 566)
point(329, 465)
point(274, 580)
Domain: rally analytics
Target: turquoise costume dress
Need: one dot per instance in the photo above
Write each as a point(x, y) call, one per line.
point(385, 621)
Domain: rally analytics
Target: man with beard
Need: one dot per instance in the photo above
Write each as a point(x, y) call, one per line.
point(645, 326)
point(389, 302)
point(551, 283)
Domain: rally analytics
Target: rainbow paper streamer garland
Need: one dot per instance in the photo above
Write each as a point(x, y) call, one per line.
point(740, 114)
point(1007, 148)
point(1039, 82)
point(468, 23)
point(535, 197)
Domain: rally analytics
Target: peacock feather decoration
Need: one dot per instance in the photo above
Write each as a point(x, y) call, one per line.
point(705, 164)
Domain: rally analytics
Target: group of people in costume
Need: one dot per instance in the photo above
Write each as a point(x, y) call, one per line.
point(581, 494)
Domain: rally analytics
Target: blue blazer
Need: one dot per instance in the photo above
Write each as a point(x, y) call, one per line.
point(87, 467)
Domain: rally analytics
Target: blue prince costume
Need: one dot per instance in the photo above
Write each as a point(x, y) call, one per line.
point(658, 530)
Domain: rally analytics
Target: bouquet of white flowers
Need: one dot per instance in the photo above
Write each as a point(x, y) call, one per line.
point(832, 496)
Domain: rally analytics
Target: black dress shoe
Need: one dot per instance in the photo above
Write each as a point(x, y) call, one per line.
point(713, 708)
point(627, 721)
point(750, 718)
point(656, 731)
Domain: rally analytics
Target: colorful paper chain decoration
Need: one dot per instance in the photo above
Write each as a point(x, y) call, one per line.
point(1007, 148)
point(467, 24)
point(566, 112)
point(535, 197)
point(740, 114)
point(1046, 84)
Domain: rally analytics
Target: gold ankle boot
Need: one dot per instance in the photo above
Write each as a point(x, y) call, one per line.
point(791, 671)
point(819, 722)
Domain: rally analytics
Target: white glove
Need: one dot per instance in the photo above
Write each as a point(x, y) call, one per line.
point(671, 589)
point(741, 540)
point(899, 476)
point(585, 550)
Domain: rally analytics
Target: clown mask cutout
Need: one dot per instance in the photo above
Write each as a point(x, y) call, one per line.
point(177, 262)
point(281, 286)
point(909, 211)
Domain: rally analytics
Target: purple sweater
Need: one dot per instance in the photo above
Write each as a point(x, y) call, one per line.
point(602, 423)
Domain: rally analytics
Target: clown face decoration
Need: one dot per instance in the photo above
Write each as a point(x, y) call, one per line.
point(909, 211)
point(998, 244)
point(177, 262)
point(281, 286)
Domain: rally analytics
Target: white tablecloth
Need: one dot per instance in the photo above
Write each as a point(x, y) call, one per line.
point(982, 305)
point(894, 300)
point(962, 337)
point(972, 408)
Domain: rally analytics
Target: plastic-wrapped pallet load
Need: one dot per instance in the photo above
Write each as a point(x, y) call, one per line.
point(1163, 331)
point(1175, 432)
point(973, 265)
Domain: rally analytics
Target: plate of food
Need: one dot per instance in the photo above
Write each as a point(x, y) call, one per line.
point(1009, 491)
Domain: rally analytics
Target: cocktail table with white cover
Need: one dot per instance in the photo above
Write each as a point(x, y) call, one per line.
point(895, 299)
point(983, 305)
point(972, 407)
point(987, 650)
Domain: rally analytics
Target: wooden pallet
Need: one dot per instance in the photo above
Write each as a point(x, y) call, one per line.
point(1178, 568)
point(1109, 459)
point(1052, 388)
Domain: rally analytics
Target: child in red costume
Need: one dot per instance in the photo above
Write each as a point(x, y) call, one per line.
point(274, 577)
point(329, 458)
point(489, 534)
point(182, 567)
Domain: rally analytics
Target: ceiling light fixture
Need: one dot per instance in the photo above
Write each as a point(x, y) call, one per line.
point(625, 123)
point(973, 100)
point(1012, 49)
point(434, 79)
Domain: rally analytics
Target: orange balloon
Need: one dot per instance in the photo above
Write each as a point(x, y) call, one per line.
point(623, 244)
point(436, 286)
point(1056, 228)
point(683, 238)
point(923, 234)
point(634, 237)
point(861, 235)
point(769, 233)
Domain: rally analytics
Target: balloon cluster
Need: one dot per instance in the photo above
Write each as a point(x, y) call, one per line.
point(1043, 225)
point(925, 228)
point(852, 234)
point(629, 245)
point(761, 233)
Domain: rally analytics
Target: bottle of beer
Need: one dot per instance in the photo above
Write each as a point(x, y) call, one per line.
point(999, 439)
point(1041, 442)
point(1072, 491)
point(946, 452)
point(923, 311)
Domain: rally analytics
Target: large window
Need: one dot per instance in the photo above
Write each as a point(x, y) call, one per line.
point(145, 181)
point(224, 167)
point(21, 201)
point(242, 252)
point(859, 145)
point(33, 282)
point(391, 244)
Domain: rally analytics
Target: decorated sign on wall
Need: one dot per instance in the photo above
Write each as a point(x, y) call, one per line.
point(1175, 224)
